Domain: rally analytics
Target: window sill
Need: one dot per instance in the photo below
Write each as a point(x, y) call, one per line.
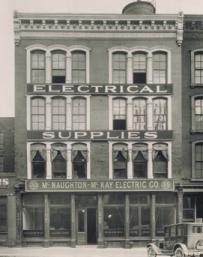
point(7, 174)
point(196, 85)
point(196, 179)
point(195, 131)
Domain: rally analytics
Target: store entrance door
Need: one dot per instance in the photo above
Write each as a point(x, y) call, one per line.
point(86, 226)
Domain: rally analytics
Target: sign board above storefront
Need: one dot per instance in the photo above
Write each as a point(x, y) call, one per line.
point(57, 185)
point(113, 135)
point(97, 89)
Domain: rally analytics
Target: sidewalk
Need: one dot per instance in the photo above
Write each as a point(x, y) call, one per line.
point(79, 251)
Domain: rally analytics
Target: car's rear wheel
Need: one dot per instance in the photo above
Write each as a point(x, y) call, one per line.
point(151, 252)
point(179, 252)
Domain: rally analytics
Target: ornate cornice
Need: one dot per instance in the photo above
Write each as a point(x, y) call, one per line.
point(97, 23)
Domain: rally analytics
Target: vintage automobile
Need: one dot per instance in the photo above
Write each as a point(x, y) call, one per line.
point(180, 240)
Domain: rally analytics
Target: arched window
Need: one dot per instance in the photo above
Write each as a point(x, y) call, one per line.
point(38, 113)
point(58, 66)
point(119, 114)
point(38, 66)
point(160, 116)
point(139, 114)
point(139, 67)
point(78, 67)
point(119, 66)
point(140, 157)
point(159, 67)
point(58, 113)
point(160, 160)
point(79, 160)
point(59, 157)
point(198, 113)
point(198, 68)
point(120, 159)
point(79, 114)
point(198, 161)
point(38, 159)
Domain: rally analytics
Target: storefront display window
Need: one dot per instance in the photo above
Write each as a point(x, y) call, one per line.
point(3, 215)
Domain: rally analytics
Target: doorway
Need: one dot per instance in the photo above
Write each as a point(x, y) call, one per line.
point(86, 226)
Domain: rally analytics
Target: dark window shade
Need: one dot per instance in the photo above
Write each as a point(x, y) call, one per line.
point(139, 77)
point(119, 124)
point(58, 79)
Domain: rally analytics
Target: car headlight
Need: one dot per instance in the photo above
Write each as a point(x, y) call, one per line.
point(199, 245)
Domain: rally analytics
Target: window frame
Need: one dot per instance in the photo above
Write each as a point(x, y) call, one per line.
point(59, 114)
point(193, 53)
point(78, 114)
point(194, 177)
point(37, 115)
point(119, 107)
point(42, 69)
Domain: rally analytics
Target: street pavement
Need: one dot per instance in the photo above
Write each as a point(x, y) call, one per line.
point(79, 251)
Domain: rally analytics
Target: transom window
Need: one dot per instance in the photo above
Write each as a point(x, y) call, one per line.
point(159, 67)
point(38, 113)
point(198, 68)
point(78, 67)
point(119, 67)
point(119, 114)
point(38, 66)
point(139, 114)
point(58, 113)
point(58, 66)
point(139, 68)
point(79, 114)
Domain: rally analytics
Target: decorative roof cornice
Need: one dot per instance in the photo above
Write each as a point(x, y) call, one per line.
point(97, 23)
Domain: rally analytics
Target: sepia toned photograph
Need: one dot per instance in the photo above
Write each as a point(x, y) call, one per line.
point(101, 128)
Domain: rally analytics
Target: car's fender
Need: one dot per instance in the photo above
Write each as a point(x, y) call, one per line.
point(155, 248)
point(183, 246)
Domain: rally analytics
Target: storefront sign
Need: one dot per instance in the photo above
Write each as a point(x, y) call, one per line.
point(99, 89)
point(101, 185)
point(99, 135)
point(4, 182)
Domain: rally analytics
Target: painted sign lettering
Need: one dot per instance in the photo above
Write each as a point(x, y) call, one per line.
point(98, 89)
point(102, 185)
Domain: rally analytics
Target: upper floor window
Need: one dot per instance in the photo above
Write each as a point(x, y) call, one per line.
point(38, 159)
point(78, 67)
point(79, 160)
point(38, 113)
point(160, 160)
point(139, 114)
point(159, 67)
point(198, 161)
point(120, 157)
point(38, 66)
point(78, 113)
point(160, 114)
point(139, 68)
point(119, 114)
point(58, 66)
point(59, 156)
point(140, 157)
point(58, 113)
point(119, 67)
point(198, 113)
point(198, 68)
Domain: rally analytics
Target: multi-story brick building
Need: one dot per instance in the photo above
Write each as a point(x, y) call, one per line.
point(7, 183)
point(98, 126)
point(192, 111)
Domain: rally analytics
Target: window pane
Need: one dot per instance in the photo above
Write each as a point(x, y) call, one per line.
point(58, 113)
point(119, 114)
point(119, 67)
point(78, 67)
point(3, 215)
point(164, 216)
point(38, 113)
point(114, 221)
point(198, 66)
point(79, 114)
point(160, 114)
point(159, 67)
point(139, 114)
point(199, 160)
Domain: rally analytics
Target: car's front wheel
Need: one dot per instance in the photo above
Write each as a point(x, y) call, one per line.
point(179, 252)
point(151, 252)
